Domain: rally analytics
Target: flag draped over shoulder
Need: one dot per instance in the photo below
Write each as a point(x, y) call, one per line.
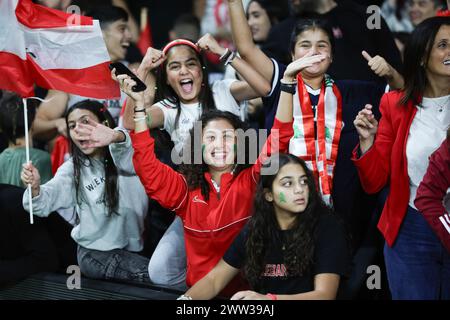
point(54, 50)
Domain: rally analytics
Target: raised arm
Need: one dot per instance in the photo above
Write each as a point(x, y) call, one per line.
point(117, 140)
point(243, 40)
point(282, 130)
point(161, 182)
point(152, 59)
point(254, 85)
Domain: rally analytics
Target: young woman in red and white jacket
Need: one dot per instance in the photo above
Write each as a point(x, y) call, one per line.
point(213, 196)
point(412, 126)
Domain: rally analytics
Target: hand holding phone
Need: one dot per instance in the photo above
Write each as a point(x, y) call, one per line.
point(122, 69)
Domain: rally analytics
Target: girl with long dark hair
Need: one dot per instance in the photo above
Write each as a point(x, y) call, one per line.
point(182, 95)
point(323, 109)
point(180, 92)
point(101, 184)
point(213, 194)
point(293, 246)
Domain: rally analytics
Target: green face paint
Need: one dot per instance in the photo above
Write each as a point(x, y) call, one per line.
point(235, 148)
point(327, 133)
point(282, 197)
point(203, 149)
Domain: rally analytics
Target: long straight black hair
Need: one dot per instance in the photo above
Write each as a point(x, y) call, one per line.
point(165, 91)
point(111, 194)
point(263, 226)
point(416, 56)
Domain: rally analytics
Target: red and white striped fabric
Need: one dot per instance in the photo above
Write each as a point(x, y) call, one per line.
point(43, 46)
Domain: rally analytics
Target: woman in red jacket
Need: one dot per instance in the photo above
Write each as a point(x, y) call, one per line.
point(413, 125)
point(213, 194)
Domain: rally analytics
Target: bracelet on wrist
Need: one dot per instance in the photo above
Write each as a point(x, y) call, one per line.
point(288, 82)
point(147, 118)
point(230, 58)
point(289, 88)
point(136, 119)
point(225, 55)
point(139, 109)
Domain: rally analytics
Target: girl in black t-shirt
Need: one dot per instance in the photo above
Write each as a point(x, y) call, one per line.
point(293, 246)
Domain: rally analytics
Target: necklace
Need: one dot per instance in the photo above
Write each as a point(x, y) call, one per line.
point(438, 105)
point(441, 106)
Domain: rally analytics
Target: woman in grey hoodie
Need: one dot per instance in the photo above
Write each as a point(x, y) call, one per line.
point(109, 199)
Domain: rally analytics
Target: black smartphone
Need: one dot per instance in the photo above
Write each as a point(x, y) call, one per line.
point(121, 69)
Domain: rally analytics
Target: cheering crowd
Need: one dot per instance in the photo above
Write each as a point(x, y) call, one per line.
point(279, 149)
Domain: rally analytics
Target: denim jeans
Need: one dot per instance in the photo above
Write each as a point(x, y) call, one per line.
point(168, 263)
point(418, 265)
point(115, 264)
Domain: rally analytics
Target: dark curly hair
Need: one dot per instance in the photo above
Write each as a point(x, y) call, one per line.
point(263, 226)
point(111, 194)
point(195, 173)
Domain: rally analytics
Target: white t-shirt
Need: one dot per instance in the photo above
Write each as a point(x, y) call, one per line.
point(428, 130)
point(191, 112)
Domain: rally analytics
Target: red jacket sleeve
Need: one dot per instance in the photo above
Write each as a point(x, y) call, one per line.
point(160, 181)
point(277, 142)
point(432, 190)
point(374, 166)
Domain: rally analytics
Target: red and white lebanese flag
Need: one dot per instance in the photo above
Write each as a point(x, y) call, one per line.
point(43, 46)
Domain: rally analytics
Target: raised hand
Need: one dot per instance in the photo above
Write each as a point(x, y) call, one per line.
point(378, 65)
point(304, 62)
point(208, 43)
point(97, 134)
point(366, 125)
point(152, 59)
point(30, 176)
point(126, 85)
point(249, 295)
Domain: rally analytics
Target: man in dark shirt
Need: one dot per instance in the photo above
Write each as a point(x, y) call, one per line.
point(349, 22)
